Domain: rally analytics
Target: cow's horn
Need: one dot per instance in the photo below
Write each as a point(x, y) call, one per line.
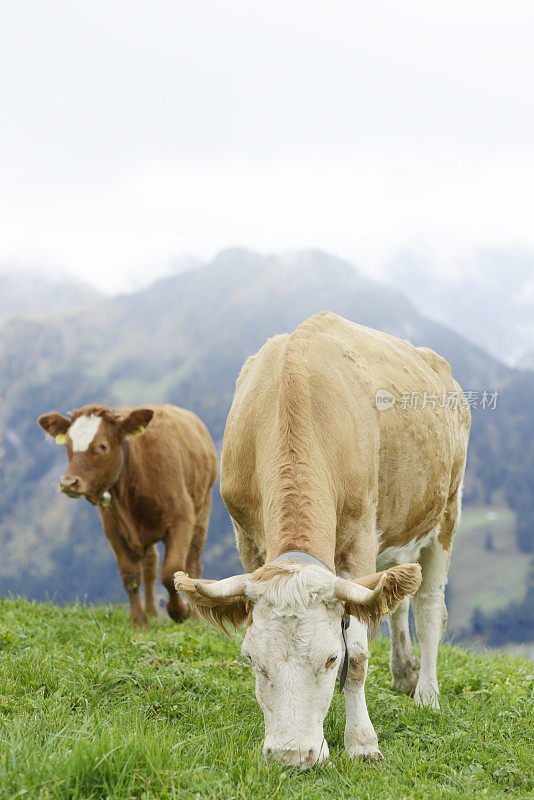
point(227, 587)
point(350, 591)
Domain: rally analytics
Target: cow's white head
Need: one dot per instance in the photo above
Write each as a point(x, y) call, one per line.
point(294, 641)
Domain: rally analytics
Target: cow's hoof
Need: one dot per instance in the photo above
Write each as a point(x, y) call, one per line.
point(177, 610)
point(406, 679)
point(368, 754)
point(427, 697)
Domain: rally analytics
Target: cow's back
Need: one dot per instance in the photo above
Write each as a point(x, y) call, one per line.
point(174, 456)
point(404, 461)
point(419, 452)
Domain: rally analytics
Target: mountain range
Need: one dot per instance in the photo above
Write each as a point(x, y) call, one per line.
point(28, 292)
point(183, 340)
point(488, 297)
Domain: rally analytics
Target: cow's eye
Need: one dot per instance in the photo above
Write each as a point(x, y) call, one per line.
point(331, 660)
point(102, 448)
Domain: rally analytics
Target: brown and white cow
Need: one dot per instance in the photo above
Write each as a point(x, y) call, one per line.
point(149, 488)
point(312, 471)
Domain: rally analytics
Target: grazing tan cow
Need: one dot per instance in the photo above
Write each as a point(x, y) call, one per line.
point(149, 488)
point(319, 483)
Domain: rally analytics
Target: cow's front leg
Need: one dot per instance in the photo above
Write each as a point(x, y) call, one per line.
point(130, 568)
point(150, 576)
point(403, 664)
point(131, 579)
point(177, 546)
point(361, 740)
point(247, 548)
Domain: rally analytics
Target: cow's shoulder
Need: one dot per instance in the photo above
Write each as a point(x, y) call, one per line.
point(265, 360)
point(437, 362)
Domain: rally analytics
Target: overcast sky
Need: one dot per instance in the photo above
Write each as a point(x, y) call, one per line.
point(133, 133)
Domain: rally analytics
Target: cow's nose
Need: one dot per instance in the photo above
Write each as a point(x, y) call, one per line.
point(66, 483)
point(304, 759)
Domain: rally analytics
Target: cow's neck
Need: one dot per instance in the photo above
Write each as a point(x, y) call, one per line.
point(105, 500)
point(300, 509)
point(312, 548)
point(300, 512)
point(120, 503)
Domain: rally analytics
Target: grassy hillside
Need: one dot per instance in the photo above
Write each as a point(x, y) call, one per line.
point(90, 708)
point(488, 570)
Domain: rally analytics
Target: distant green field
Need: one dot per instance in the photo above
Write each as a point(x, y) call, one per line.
point(90, 708)
point(485, 517)
point(489, 579)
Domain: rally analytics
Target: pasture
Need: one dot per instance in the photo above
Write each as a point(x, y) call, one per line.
point(91, 708)
point(501, 573)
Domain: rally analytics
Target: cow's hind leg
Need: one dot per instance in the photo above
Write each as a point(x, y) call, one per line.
point(361, 740)
point(430, 619)
point(194, 564)
point(177, 544)
point(150, 575)
point(403, 664)
point(429, 602)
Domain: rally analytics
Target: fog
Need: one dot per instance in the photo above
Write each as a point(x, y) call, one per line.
point(134, 134)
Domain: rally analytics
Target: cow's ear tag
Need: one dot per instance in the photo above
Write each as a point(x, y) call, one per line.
point(60, 438)
point(141, 429)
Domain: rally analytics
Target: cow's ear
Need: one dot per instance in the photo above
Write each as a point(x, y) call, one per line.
point(386, 590)
point(55, 425)
point(219, 607)
point(136, 422)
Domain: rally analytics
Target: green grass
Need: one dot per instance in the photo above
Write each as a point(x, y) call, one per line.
point(90, 708)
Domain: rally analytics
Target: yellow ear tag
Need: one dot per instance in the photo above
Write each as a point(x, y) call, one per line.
point(60, 438)
point(141, 429)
